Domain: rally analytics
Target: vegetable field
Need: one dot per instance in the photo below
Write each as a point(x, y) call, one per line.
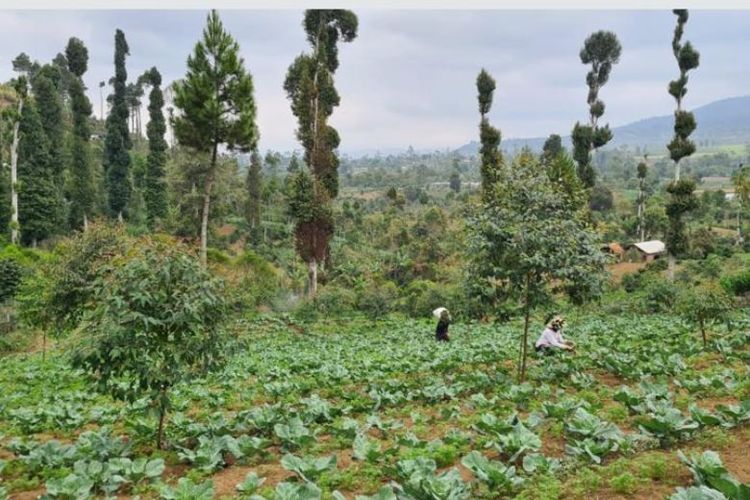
point(379, 410)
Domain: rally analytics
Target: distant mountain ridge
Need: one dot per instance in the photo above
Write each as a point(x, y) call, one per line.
point(726, 121)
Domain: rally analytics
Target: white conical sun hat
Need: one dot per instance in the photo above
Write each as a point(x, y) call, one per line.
point(438, 312)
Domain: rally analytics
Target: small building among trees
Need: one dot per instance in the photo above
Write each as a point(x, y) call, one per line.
point(614, 249)
point(648, 251)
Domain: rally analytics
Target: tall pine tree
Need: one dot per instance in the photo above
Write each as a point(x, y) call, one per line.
point(309, 87)
point(681, 191)
point(37, 195)
point(155, 193)
point(49, 104)
point(601, 50)
point(117, 142)
point(489, 136)
point(216, 106)
point(81, 191)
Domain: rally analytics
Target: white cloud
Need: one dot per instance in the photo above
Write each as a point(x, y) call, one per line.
point(408, 79)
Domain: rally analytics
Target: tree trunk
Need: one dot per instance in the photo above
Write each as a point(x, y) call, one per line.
point(85, 223)
point(641, 224)
point(160, 430)
point(206, 206)
point(312, 278)
point(524, 342)
point(671, 264)
point(739, 225)
point(703, 333)
point(14, 176)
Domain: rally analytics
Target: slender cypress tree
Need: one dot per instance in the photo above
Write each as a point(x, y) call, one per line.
point(217, 107)
point(489, 136)
point(46, 87)
point(155, 193)
point(117, 142)
point(309, 87)
point(552, 147)
point(642, 172)
point(293, 166)
point(81, 191)
point(601, 50)
point(37, 195)
point(254, 191)
point(681, 191)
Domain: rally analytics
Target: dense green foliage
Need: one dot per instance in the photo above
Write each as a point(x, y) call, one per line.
point(156, 190)
point(117, 140)
point(49, 87)
point(310, 88)
point(528, 236)
point(37, 193)
point(81, 189)
point(489, 136)
point(681, 200)
point(601, 50)
point(217, 107)
point(153, 322)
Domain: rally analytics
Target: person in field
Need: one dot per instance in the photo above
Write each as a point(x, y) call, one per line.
point(551, 338)
point(444, 320)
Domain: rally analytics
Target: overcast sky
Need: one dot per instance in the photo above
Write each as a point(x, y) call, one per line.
point(408, 79)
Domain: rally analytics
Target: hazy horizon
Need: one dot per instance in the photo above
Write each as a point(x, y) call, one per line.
point(408, 79)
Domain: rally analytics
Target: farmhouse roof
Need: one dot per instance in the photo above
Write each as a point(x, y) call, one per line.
point(651, 247)
point(613, 247)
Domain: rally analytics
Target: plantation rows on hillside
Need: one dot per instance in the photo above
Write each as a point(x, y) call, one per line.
point(377, 410)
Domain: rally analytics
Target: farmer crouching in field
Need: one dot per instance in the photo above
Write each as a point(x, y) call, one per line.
point(444, 320)
point(551, 338)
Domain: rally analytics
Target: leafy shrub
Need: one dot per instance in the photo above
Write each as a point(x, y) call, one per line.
point(251, 280)
point(659, 296)
point(157, 321)
point(333, 299)
point(704, 304)
point(632, 282)
point(422, 296)
point(10, 278)
point(377, 299)
point(737, 284)
point(57, 295)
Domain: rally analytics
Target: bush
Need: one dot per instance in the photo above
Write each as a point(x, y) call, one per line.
point(737, 284)
point(632, 282)
point(703, 305)
point(251, 280)
point(377, 299)
point(422, 296)
point(155, 321)
point(10, 278)
point(56, 296)
point(659, 296)
point(332, 299)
